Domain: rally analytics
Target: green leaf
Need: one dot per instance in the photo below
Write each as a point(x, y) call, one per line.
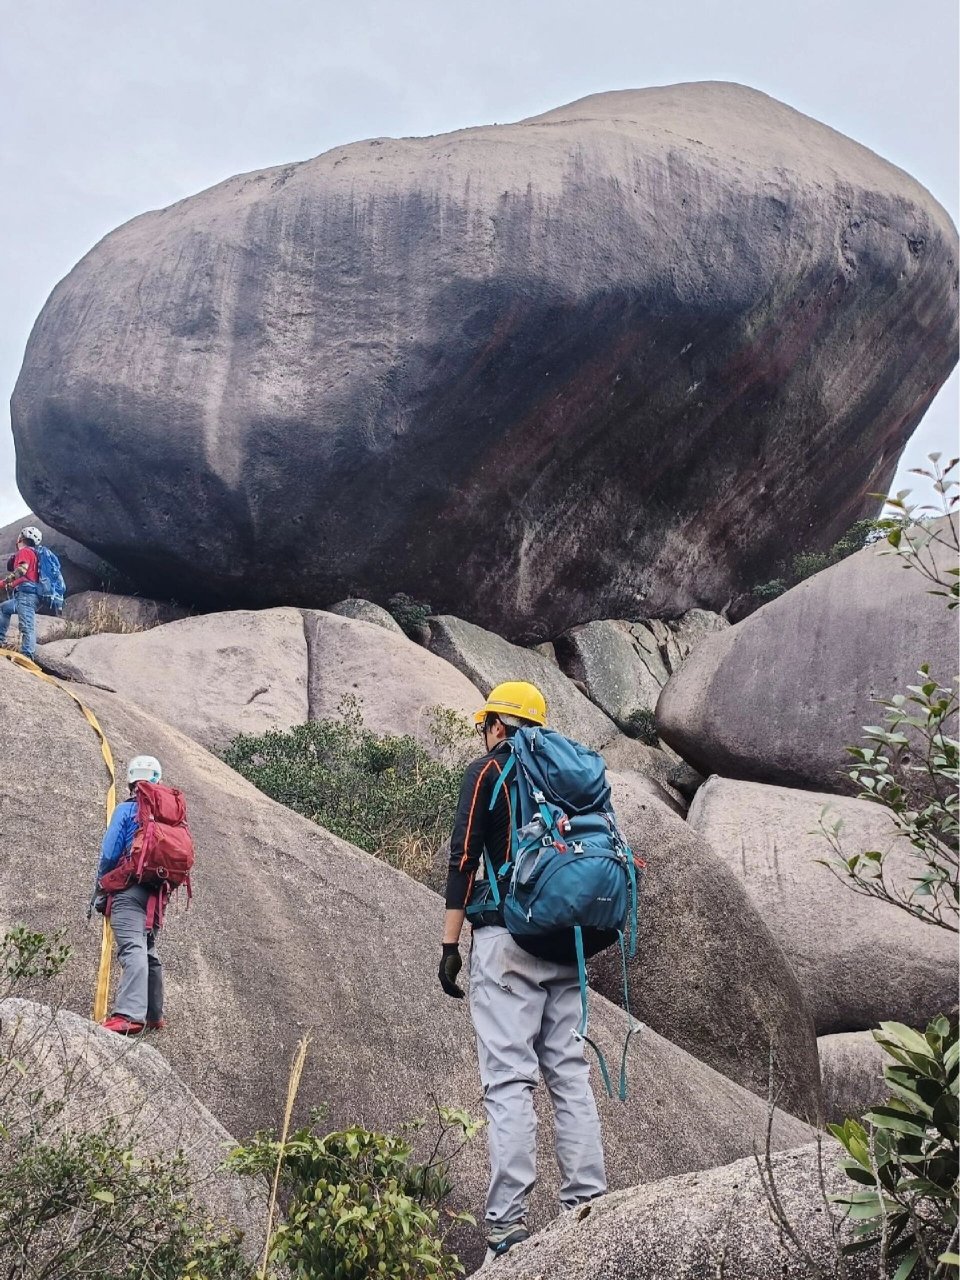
point(106, 1197)
point(910, 1260)
point(897, 1122)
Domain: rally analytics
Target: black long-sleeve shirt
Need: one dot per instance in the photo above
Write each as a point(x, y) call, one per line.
point(477, 826)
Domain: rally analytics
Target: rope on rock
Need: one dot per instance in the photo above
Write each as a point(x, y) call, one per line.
point(102, 993)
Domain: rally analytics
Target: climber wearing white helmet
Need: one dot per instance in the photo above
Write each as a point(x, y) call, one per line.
point(132, 912)
point(23, 578)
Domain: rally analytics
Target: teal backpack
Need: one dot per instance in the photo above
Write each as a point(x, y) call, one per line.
point(569, 865)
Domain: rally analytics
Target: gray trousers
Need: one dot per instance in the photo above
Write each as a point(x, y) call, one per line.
point(524, 1012)
point(140, 996)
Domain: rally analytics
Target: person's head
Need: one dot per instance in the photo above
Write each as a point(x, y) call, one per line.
point(143, 769)
point(30, 536)
point(510, 706)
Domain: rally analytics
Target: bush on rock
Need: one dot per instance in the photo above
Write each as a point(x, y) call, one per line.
point(385, 794)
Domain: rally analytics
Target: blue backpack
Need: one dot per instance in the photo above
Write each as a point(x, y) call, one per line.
point(569, 866)
point(52, 588)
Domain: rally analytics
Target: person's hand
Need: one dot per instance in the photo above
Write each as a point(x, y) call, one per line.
point(450, 966)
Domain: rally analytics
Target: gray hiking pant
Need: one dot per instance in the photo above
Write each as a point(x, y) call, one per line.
point(140, 996)
point(524, 1012)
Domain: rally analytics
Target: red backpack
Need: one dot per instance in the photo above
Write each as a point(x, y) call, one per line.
point(161, 855)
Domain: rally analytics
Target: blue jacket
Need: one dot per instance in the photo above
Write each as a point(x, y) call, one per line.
point(119, 836)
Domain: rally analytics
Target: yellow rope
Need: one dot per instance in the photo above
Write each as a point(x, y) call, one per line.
point(106, 941)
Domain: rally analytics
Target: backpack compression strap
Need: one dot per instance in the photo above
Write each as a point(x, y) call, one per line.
point(580, 1032)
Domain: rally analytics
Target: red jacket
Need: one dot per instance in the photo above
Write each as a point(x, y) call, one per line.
point(24, 567)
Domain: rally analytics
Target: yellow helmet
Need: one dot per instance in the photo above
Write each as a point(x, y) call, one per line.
point(514, 698)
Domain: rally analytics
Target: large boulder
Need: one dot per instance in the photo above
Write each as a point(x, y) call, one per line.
point(719, 1223)
point(858, 960)
point(397, 683)
point(709, 974)
point(779, 696)
point(851, 1068)
point(292, 930)
point(213, 677)
point(223, 674)
point(366, 611)
point(87, 1075)
point(622, 356)
point(624, 665)
point(487, 660)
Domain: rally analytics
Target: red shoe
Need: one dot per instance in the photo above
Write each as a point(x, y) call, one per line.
point(122, 1026)
point(156, 1026)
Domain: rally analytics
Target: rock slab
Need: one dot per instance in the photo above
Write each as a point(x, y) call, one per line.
point(858, 961)
point(624, 665)
point(244, 984)
point(698, 1227)
point(624, 355)
point(487, 660)
point(91, 1074)
point(709, 973)
point(851, 1068)
point(778, 697)
point(250, 671)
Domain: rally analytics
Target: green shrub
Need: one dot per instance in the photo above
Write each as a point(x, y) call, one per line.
point(385, 794)
point(904, 1154)
point(804, 564)
point(409, 614)
point(78, 1203)
point(357, 1204)
point(642, 725)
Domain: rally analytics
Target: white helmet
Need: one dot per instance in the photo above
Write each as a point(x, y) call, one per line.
point(144, 769)
point(32, 534)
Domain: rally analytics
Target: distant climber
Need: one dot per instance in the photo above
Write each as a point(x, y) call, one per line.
point(147, 852)
point(23, 578)
point(524, 1007)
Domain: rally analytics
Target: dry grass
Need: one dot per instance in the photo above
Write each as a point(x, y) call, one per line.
point(102, 619)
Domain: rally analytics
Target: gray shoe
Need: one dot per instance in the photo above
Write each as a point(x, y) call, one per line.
point(502, 1239)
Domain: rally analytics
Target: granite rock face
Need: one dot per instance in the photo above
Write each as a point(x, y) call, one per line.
point(487, 660)
point(132, 612)
point(271, 889)
point(366, 611)
point(624, 665)
point(249, 671)
point(851, 1068)
point(779, 697)
point(89, 1074)
point(859, 961)
point(709, 972)
point(698, 1227)
point(624, 355)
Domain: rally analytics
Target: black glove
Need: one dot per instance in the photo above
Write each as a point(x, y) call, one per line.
point(450, 966)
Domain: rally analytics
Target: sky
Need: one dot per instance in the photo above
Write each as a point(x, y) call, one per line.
point(112, 107)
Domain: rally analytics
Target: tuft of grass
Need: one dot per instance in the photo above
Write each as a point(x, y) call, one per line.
point(102, 619)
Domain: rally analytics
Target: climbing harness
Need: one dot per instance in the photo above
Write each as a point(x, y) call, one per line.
point(102, 992)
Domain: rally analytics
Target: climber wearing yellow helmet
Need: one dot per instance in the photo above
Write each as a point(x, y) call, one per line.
point(523, 1006)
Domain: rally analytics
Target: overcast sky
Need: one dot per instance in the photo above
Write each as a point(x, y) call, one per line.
point(112, 107)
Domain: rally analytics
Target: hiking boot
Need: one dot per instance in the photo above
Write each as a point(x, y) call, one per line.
point(122, 1026)
point(502, 1239)
point(156, 1024)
